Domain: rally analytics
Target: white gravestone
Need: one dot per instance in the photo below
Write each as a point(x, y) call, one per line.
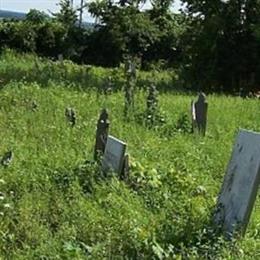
point(113, 159)
point(239, 190)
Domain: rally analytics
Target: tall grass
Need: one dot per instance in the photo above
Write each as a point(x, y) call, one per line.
point(54, 205)
point(30, 68)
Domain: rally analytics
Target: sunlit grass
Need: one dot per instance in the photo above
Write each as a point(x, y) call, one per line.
point(54, 207)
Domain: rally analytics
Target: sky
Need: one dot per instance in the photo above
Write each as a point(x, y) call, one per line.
point(45, 5)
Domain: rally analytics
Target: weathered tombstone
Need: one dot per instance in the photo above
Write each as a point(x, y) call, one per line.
point(7, 158)
point(239, 190)
point(199, 114)
point(71, 116)
point(114, 156)
point(101, 134)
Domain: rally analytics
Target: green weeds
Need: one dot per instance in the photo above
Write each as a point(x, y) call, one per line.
point(56, 204)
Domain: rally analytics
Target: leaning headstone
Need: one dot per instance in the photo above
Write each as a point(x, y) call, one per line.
point(114, 156)
point(239, 190)
point(101, 134)
point(199, 114)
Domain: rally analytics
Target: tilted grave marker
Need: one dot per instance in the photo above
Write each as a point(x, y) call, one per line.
point(101, 134)
point(239, 190)
point(114, 156)
point(199, 111)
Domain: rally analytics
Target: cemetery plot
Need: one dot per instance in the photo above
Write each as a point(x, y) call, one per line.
point(114, 156)
point(240, 185)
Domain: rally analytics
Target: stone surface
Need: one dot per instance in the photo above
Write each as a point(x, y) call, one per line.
point(101, 134)
point(114, 156)
point(201, 111)
point(239, 190)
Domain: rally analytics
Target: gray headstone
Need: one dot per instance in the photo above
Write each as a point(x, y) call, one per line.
point(201, 111)
point(114, 156)
point(101, 134)
point(239, 190)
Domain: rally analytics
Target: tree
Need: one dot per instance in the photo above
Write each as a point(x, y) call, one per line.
point(167, 46)
point(36, 16)
point(67, 15)
point(129, 30)
point(225, 52)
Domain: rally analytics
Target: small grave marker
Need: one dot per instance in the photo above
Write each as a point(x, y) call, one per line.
point(7, 158)
point(71, 116)
point(239, 190)
point(114, 156)
point(101, 134)
point(199, 111)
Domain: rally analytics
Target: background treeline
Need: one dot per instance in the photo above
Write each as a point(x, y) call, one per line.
point(212, 45)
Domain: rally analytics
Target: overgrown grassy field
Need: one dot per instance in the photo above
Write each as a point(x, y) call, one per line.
point(54, 205)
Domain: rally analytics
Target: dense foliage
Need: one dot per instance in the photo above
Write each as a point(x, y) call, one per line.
point(123, 29)
point(214, 45)
point(225, 50)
